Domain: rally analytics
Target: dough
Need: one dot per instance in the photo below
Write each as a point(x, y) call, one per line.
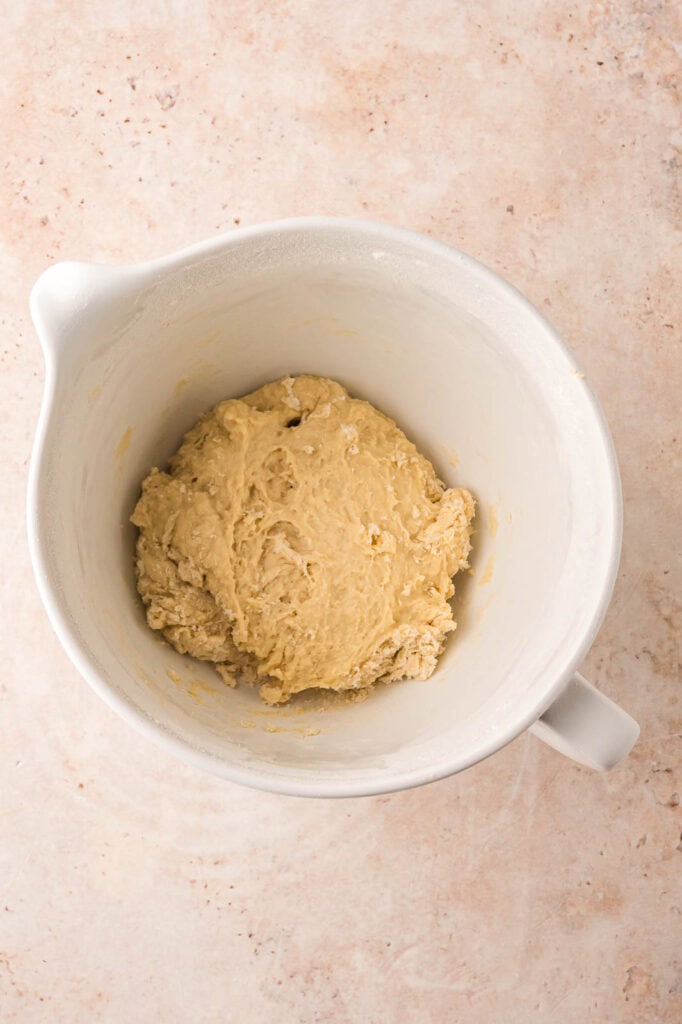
point(299, 540)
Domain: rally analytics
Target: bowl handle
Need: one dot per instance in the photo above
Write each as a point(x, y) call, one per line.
point(588, 727)
point(68, 296)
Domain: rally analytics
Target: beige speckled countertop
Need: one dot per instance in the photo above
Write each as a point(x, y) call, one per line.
point(545, 142)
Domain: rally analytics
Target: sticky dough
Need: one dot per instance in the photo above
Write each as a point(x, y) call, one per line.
point(299, 540)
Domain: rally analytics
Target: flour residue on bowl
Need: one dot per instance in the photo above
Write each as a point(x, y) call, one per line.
point(493, 521)
point(487, 572)
point(122, 447)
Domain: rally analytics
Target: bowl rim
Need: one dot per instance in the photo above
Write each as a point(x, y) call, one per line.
point(300, 782)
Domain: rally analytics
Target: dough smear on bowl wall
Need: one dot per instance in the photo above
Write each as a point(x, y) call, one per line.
point(299, 540)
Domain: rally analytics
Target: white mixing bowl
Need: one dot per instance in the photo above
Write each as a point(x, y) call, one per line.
point(470, 371)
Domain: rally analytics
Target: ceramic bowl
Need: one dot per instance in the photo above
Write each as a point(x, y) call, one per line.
point(470, 371)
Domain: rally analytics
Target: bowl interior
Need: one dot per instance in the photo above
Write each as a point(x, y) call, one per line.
point(471, 374)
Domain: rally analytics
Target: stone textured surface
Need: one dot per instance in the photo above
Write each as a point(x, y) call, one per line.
point(542, 137)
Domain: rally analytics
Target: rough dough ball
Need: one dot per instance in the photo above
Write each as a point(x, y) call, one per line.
point(299, 540)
